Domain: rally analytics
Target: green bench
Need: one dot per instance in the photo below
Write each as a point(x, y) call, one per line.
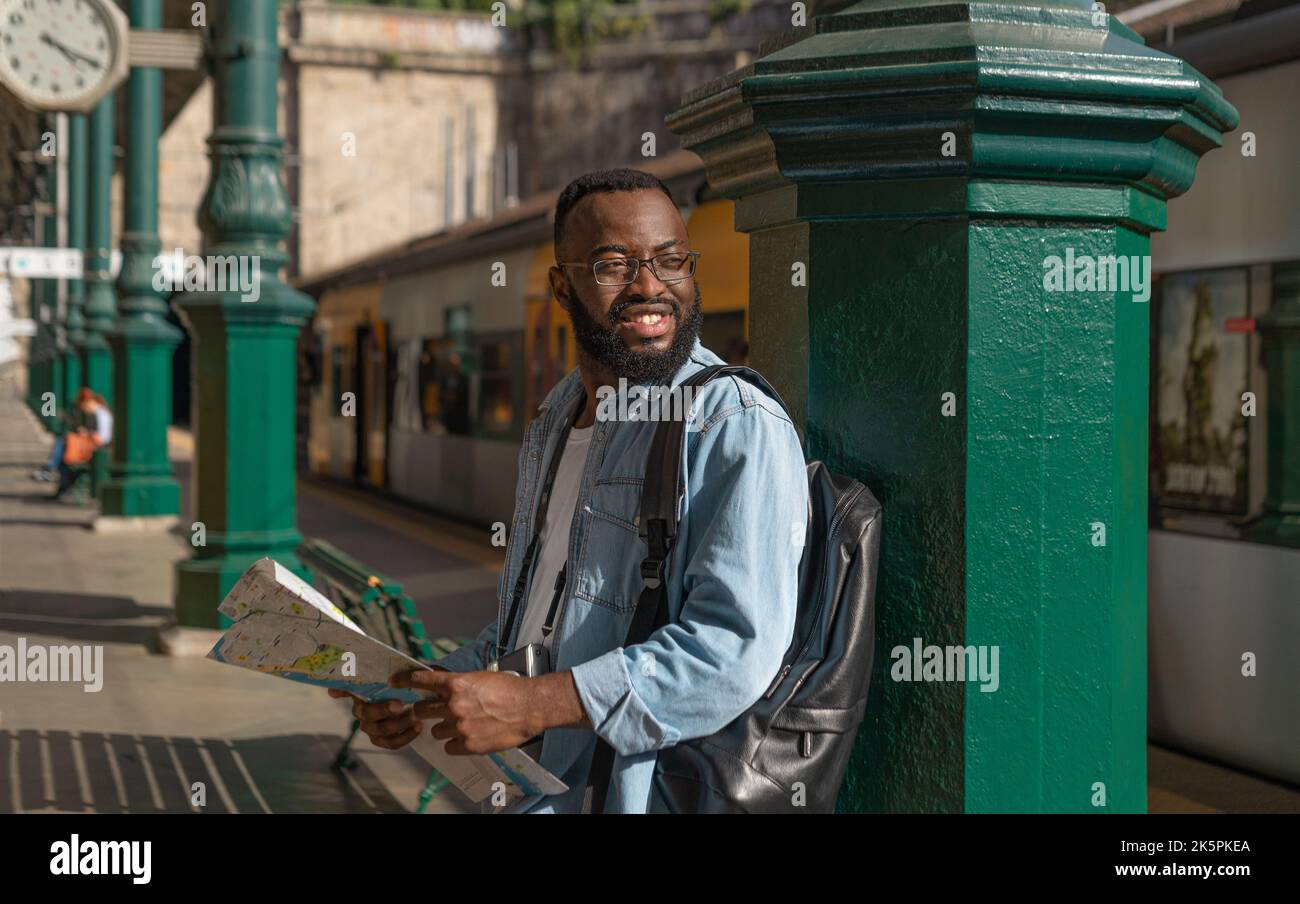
point(384, 612)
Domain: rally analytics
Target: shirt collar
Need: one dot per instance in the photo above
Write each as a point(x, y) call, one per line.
point(568, 388)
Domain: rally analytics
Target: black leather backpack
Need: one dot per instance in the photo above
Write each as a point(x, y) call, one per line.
point(786, 753)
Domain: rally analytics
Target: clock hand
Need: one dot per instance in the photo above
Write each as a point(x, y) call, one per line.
point(91, 60)
point(68, 52)
point(46, 39)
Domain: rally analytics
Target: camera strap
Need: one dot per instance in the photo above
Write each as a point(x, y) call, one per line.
point(549, 626)
point(530, 554)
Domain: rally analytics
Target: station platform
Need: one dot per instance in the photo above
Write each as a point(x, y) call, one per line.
point(161, 723)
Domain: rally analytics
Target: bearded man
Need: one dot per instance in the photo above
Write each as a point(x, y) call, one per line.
point(625, 272)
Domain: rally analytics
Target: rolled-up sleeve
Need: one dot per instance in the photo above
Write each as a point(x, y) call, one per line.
point(738, 555)
point(473, 656)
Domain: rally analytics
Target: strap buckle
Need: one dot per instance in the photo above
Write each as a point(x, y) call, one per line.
point(652, 572)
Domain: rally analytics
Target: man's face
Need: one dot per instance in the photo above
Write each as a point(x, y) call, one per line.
point(642, 331)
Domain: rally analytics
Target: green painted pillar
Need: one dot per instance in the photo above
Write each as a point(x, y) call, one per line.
point(37, 350)
point(1280, 330)
point(244, 357)
point(54, 337)
point(908, 174)
point(42, 294)
point(49, 302)
point(38, 345)
point(52, 359)
point(51, 350)
point(101, 302)
point(75, 325)
point(140, 482)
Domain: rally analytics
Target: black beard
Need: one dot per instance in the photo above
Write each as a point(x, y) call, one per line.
point(604, 346)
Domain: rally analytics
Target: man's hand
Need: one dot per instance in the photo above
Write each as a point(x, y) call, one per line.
point(483, 712)
point(388, 724)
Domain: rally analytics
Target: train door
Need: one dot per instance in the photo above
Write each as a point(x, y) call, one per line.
point(370, 378)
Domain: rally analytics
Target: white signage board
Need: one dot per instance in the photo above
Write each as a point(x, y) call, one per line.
point(59, 263)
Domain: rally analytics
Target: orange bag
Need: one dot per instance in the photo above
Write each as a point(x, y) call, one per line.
point(78, 449)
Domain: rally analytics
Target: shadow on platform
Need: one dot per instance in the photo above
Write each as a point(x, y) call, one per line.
point(38, 508)
point(90, 772)
point(81, 617)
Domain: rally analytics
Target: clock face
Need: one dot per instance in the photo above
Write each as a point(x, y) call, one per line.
point(54, 53)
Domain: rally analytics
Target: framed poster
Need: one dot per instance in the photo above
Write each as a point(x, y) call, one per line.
point(1199, 455)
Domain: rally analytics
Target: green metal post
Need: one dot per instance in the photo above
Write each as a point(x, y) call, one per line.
point(42, 293)
point(37, 350)
point(55, 337)
point(140, 480)
point(1280, 329)
point(36, 347)
point(908, 173)
point(101, 303)
point(75, 324)
point(39, 343)
point(244, 365)
point(49, 303)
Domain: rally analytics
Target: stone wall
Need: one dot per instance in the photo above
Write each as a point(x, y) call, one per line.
point(378, 105)
point(385, 156)
point(183, 172)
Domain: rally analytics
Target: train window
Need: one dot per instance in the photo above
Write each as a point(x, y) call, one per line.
point(445, 387)
point(457, 324)
point(496, 409)
point(453, 395)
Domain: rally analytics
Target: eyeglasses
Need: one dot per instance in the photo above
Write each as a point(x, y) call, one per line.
point(621, 271)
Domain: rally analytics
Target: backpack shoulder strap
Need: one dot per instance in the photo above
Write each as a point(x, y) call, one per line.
point(662, 487)
point(660, 493)
point(658, 527)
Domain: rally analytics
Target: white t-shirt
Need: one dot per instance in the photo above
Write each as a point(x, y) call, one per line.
point(553, 543)
point(104, 425)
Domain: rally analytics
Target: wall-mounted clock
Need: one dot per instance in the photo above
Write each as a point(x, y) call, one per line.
point(62, 54)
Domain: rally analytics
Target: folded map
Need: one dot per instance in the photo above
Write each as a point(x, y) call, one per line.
point(284, 627)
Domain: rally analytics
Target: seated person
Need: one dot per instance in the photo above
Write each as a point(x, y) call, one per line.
point(95, 408)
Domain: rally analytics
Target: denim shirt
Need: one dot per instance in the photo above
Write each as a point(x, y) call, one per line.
point(731, 581)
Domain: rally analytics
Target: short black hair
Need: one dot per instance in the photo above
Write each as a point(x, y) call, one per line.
point(599, 182)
